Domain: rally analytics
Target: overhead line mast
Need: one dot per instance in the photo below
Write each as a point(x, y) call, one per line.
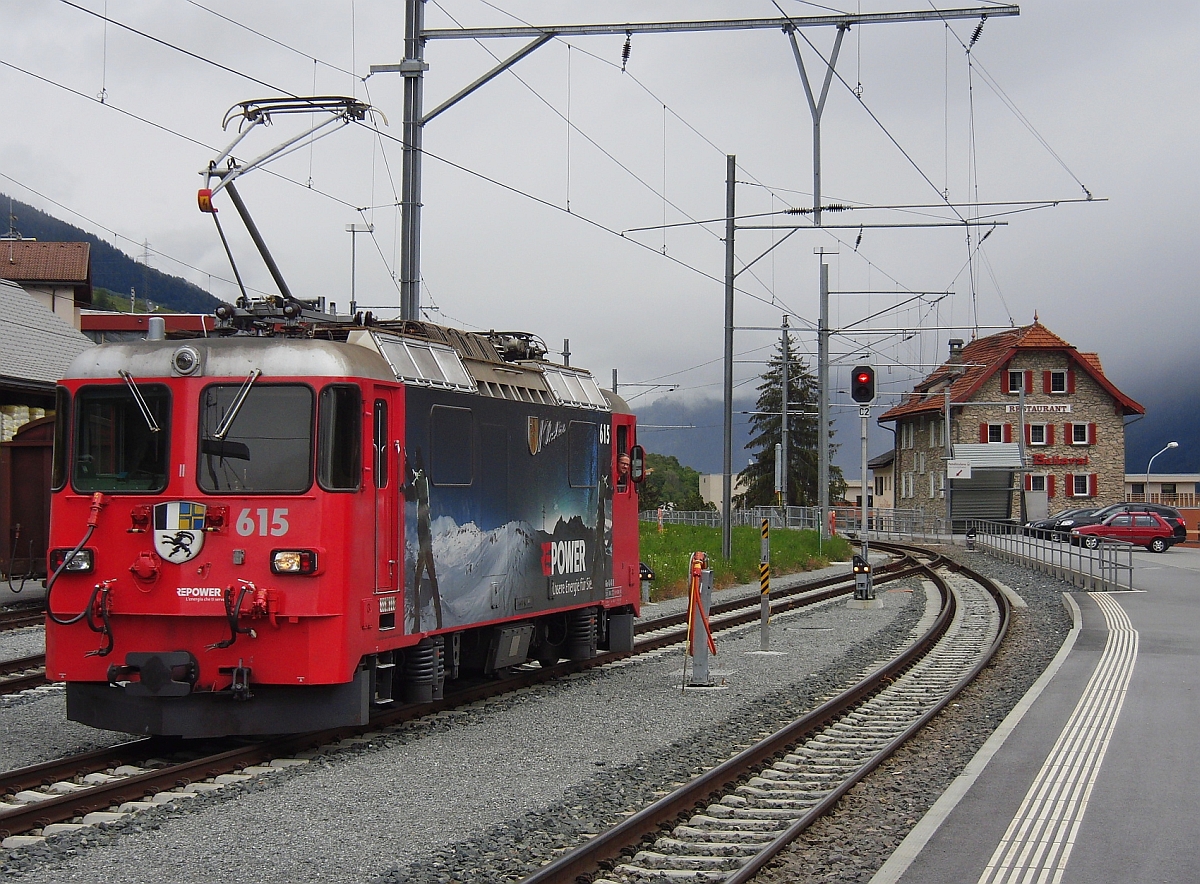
point(413, 68)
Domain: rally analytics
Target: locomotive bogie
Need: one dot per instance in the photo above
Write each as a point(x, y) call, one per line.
point(276, 534)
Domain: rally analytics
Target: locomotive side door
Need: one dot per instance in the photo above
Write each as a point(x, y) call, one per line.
point(387, 480)
point(624, 508)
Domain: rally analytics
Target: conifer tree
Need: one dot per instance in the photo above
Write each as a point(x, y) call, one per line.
point(766, 424)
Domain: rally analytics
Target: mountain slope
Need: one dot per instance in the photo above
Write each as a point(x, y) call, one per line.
point(112, 269)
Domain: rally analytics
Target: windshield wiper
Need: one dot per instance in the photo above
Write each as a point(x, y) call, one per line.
point(137, 395)
point(231, 415)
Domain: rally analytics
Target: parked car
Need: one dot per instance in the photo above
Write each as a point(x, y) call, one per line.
point(1148, 529)
point(1073, 519)
point(1169, 513)
point(1045, 528)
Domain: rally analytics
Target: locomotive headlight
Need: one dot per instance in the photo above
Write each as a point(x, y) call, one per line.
point(81, 562)
point(185, 360)
point(294, 561)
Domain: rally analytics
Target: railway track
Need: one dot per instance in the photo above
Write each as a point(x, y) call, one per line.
point(743, 812)
point(22, 673)
point(16, 618)
point(139, 773)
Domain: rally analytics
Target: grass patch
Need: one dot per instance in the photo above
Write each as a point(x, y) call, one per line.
point(669, 553)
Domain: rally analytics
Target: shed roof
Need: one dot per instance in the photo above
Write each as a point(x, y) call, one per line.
point(35, 344)
point(28, 260)
point(989, 455)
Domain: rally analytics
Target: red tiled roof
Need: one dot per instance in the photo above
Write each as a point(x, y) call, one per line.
point(27, 260)
point(984, 357)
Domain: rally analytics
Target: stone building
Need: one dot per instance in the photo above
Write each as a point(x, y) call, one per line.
point(1027, 412)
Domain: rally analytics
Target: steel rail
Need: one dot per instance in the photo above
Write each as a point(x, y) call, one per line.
point(608, 845)
point(18, 618)
point(136, 787)
point(760, 860)
point(636, 828)
point(15, 675)
point(21, 664)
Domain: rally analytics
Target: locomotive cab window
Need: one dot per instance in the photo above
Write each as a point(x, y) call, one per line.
point(339, 435)
point(62, 414)
point(119, 447)
point(267, 444)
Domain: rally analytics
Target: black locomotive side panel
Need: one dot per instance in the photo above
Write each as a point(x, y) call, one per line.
point(508, 508)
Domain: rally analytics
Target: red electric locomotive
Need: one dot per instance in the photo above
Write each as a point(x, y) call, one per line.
point(271, 529)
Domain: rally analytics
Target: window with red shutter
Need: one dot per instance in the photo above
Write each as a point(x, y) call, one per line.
point(1070, 380)
point(1049, 486)
point(983, 432)
point(1046, 382)
point(1069, 485)
point(1092, 484)
point(1007, 433)
point(1049, 434)
point(1091, 436)
point(1029, 381)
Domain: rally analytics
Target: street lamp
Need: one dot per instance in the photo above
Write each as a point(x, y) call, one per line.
point(1146, 492)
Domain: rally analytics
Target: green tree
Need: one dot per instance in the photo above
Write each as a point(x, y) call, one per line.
point(669, 481)
point(766, 424)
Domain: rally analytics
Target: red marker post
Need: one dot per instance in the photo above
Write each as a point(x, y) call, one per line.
point(699, 598)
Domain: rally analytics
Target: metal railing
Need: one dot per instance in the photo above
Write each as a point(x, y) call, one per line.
point(882, 523)
point(1107, 568)
point(1184, 499)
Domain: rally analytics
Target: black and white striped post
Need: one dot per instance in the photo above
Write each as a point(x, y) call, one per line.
point(764, 580)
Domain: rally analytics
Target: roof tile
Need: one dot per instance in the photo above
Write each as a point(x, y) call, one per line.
point(983, 357)
point(27, 260)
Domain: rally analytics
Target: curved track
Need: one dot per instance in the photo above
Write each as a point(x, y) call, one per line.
point(762, 805)
point(121, 778)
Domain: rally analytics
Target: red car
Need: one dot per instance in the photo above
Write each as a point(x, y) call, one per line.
point(1144, 529)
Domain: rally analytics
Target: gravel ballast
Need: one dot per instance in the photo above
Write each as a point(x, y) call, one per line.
point(475, 794)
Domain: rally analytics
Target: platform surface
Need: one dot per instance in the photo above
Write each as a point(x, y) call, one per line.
point(1099, 780)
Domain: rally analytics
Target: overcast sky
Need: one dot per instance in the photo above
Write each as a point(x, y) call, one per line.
point(1063, 97)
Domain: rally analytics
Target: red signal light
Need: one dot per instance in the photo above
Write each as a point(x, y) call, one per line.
point(862, 387)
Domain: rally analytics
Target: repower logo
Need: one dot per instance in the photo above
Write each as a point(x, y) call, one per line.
point(562, 558)
point(199, 593)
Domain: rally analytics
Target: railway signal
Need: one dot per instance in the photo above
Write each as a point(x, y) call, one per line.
point(862, 384)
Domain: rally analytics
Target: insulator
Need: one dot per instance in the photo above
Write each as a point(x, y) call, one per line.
point(836, 207)
point(978, 31)
point(797, 211)
point(626, 49)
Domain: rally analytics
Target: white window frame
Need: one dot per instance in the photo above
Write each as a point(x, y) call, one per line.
point(1034, 479)
point(1076, 429)
point(1018, 375)
point(995, 429)
point(1075, 479)
point(1032, 440)
point(1055, 375)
